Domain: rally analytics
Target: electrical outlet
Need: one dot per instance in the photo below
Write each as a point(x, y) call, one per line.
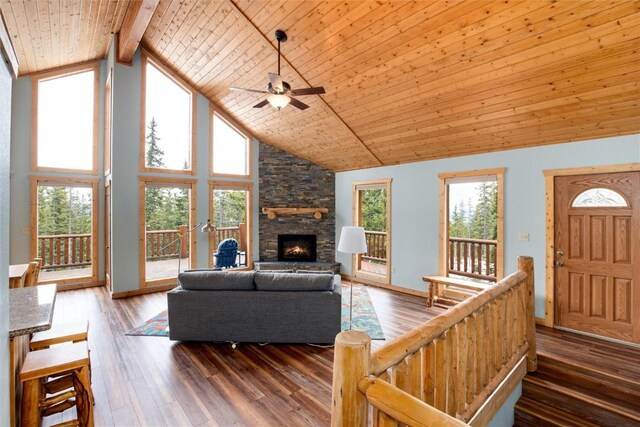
point(523, 236)
point(26, 230)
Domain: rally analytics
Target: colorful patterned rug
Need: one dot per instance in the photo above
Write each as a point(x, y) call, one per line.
point(364, 318)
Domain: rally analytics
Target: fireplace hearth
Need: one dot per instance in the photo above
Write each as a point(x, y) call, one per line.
point(297, 247)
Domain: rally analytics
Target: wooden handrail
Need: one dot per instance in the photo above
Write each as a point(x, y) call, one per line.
point(402, 406)
point(397, 349)
point(450, 365)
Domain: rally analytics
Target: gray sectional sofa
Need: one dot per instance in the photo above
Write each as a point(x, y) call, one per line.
point(250, 306)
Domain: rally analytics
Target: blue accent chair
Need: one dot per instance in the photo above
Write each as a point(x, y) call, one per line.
point(227, 253)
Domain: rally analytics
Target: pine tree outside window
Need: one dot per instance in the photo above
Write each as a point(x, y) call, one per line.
point(168, 109)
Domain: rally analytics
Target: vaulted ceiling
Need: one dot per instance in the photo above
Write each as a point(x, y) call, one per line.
point(405, 80)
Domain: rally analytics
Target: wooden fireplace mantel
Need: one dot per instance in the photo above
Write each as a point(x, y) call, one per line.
point(274, 212)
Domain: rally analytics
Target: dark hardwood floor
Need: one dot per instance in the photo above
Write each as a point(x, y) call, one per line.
point(153, 381)
point(581, 381)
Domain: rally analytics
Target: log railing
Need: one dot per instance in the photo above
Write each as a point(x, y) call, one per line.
point(443, 372)
point(376, 245)
point(474, 258)
point(64, 250)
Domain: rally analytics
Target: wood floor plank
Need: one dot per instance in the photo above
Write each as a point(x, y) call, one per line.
point(153, 381)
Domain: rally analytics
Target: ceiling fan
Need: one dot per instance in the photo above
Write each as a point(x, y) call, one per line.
point(279, 92)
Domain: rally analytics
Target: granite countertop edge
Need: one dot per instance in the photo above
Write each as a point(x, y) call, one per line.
point(38, 326)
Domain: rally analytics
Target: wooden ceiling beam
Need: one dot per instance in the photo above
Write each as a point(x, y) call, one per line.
point(7, 48)
point(285, 61)
point(136, 21)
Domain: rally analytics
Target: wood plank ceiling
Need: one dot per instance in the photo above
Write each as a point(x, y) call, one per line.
point(405, 80)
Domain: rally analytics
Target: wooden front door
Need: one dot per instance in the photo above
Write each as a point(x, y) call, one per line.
point(597, 243)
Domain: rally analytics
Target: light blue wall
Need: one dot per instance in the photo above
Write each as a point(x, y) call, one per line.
point(505, 416)
point(415, 203)
point(5, 155)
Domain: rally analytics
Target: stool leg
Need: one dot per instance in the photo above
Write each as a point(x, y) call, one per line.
point(31, 395)
point(84, 404)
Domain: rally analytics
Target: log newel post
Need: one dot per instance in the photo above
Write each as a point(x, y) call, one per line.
point(350, 364)
point(526, 264)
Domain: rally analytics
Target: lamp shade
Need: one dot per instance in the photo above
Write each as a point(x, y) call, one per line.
point(208, 227)
point(352, 240)
point(278, 101)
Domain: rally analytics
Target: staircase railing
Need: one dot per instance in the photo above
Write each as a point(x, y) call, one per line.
point(445, 371)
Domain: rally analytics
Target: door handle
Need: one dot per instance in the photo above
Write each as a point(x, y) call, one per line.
point(560, 263)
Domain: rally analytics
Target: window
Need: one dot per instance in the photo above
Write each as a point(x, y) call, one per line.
point(472, 224)
point(231, 149)
point(231, 216)
point(65, 220)
point(65, 120)
point(167, 245)
point(168, 108)
point(372, 202)
point(599, 197)
point(108, 112)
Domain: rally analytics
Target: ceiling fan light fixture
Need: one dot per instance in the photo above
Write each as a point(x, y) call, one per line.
point(278, 101)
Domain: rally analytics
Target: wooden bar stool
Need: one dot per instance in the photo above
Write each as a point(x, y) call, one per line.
point(58, 334)
point(41, 398)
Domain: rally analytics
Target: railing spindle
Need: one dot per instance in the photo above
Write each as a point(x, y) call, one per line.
point(461, 385)
point(472, 357)
point(452, 355)
point(428, 356)
point(441, 373)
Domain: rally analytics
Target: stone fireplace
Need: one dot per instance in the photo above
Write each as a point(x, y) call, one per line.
point(297, 247)
point(287, 181)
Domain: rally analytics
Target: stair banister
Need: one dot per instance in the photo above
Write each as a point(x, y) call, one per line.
point(446, 369)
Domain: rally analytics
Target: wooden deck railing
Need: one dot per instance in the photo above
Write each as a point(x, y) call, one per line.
point(376, 245)
point(474, 258)
point(64, 250)
point(222, 233)
point(163, 244)
point(443, 372)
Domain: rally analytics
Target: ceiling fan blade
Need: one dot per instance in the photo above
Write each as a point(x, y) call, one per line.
point(241, 89)
point(276, 82)
point(308, 91)
point(261, 104)
point(298, 104)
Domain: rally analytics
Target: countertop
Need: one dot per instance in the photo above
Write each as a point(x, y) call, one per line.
point(31, 309)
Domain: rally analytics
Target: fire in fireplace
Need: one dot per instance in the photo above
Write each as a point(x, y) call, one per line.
point(297, 247)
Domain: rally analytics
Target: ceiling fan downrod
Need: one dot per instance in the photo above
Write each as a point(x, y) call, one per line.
point(281, 36)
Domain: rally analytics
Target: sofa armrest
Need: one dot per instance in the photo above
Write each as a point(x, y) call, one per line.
point(337, 289)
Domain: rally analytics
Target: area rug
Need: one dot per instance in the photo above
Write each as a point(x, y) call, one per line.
point(364, 318)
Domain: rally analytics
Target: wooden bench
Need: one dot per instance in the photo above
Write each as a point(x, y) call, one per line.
point(450, 291)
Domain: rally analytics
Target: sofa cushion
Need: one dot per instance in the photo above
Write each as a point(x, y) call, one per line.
point(211, 280)
point(293, 282)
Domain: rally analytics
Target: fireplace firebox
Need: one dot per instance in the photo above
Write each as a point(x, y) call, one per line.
point(297, 247)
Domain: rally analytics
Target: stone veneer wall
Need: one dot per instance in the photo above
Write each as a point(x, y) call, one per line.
point(287, 181)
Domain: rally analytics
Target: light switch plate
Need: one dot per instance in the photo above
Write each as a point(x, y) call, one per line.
point(523, 236)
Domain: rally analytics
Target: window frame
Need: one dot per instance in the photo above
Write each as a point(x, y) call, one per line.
point(249, 140)
point(443, 253)
point(357, 221)
point(147, 58)
point(234, 185)
point(51, 75)
point(36, 181)
point(108, 123)
point(168, 182)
